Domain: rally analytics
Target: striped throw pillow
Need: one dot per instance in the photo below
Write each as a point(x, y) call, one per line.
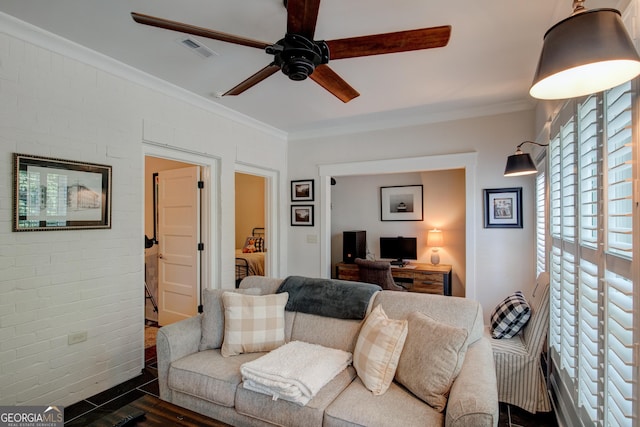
point(378, 349)
point(510, 316)
point(252, 323)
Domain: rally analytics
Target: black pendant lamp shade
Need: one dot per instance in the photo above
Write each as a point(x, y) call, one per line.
point(521, 163)
point(586, 53)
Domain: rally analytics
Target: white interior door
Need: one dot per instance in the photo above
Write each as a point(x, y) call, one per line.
point(178, 238)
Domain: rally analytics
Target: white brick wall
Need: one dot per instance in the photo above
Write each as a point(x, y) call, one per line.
point(55, 283)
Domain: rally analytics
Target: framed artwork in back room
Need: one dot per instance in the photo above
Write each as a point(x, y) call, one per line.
point(401, 203)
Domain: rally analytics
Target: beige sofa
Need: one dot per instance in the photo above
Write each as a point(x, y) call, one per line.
point(196, 376)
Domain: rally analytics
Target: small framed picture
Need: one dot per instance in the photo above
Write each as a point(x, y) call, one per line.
point(302, 215)
point(503, 208)
point(302, 190)
point(402, 203)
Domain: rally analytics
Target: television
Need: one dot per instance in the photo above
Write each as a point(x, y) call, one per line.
point(399, 249)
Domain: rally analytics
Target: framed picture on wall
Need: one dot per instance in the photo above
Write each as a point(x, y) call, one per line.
point(302, 215)
point(402, 203)
point(503, 208)
point(302, 190)
point(56, 194)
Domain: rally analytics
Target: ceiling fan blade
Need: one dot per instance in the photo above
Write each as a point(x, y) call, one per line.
point(253, 80)
point(302, 16)
point(378, 44)
point(328, 79)
point(196, 31)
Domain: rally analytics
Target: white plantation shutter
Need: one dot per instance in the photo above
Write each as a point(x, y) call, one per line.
point(591, 167)
point(569, 184)
point(541, 259)
point(619, 174)
point(588, 351)
point(589, 162)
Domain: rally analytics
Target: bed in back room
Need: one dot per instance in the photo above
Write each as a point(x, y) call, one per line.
point(250, 258)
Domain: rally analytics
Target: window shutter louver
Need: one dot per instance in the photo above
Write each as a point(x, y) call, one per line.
point(541, 259)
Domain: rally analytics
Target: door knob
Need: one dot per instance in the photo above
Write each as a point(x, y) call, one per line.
point(160, 256)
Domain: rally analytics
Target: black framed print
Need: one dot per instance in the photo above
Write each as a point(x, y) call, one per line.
point(302, 190)
point(302, 215)
point(56, 194)
point(503, 208)
point(401, 203)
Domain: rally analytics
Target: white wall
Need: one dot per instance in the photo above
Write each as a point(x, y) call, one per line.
point(504, 257)
point(54, 283)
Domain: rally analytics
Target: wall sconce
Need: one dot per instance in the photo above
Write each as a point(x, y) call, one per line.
point(435, 241)
point(588, 52)
point(521, 163)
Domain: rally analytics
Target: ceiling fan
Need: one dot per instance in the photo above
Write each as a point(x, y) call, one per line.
point(299, 56)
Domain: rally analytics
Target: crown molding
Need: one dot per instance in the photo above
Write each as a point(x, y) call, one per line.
point(37, 36)
point(408, 117)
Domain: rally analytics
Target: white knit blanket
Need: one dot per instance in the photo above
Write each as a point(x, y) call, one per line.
point(295, 371)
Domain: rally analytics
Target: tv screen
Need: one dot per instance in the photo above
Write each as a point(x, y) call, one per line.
point(399, 248)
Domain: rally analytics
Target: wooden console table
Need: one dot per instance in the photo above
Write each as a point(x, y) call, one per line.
point(416, 277)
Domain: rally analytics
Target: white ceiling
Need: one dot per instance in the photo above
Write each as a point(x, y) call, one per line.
point(487, 65)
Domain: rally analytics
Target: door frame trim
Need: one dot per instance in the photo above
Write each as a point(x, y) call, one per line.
point(210, 271)
point(466, 161)
point(272, 183)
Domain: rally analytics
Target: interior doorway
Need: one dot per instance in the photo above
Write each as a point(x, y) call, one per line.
point(250, 225)
point(172, 237)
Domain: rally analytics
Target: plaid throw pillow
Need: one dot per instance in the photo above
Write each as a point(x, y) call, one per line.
point(254, 244)
point(510, 316)
point(252, 323)
point(378, 349)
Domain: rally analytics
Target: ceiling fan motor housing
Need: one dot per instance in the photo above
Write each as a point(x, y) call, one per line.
point(298, 56)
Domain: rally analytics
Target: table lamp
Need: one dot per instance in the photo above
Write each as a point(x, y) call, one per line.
point(435, 241)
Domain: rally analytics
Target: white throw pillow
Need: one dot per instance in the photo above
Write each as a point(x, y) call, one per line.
point(378, 349)
point(252, 323)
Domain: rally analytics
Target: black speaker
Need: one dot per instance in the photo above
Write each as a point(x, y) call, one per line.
point(354, 245)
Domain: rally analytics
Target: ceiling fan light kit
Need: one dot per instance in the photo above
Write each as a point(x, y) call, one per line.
point(298, 56)
point(588, 52)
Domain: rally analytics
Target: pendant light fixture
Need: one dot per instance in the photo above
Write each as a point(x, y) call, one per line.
point(588, 52)
point(520, 163)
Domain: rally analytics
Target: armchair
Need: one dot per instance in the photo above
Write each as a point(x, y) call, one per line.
point(378, 273)
point(521, 380)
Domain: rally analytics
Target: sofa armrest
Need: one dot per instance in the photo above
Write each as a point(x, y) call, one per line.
point(473, 399)
point(173, 342)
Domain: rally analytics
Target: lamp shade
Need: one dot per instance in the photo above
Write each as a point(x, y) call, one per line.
point(588, 52)
point(434, 238)
point(519, 164)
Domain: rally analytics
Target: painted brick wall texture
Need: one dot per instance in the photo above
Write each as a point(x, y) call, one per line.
point(55, 283)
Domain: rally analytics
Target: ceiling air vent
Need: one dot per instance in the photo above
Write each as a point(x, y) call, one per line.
point(197, 47)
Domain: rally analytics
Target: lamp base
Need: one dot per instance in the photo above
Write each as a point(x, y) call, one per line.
point(435, 258)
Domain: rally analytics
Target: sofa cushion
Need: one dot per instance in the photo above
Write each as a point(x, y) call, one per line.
point(437, 351)
point(213, 316)
point(252, 323)
point(284, 413)
point(510, 316)
point(326, 331)
point(397, 407)
point(209, 376)
point(378, 349)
